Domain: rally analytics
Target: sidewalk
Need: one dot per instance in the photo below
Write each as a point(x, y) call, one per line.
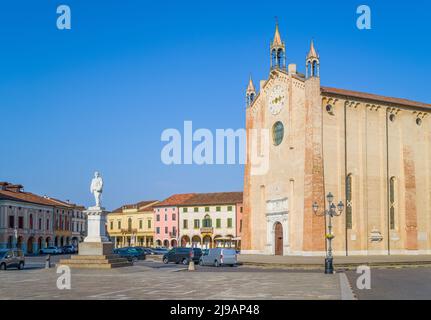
point(339, 262)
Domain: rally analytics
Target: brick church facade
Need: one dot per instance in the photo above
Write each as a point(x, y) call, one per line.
point(305, 140)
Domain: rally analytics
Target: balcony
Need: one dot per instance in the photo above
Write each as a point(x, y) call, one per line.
point(207, 230)
point(129, 230)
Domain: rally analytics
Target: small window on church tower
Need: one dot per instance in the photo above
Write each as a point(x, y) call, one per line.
point(392, 117)
point(418, 121)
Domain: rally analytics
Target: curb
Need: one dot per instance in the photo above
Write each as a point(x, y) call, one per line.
point(350, 266)
point(346, 289)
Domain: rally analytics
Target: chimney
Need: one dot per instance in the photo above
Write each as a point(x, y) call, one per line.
point(3, 185)
point(14, 187)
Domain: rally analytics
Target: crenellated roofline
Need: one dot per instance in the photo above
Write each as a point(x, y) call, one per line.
point(374, 97)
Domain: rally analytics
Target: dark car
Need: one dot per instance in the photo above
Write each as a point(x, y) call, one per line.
point(130, 253)
point(51, 250)
point(182, 255)
point(11, 258)
point(148, 251)
point(160, 250)
point(69, 249)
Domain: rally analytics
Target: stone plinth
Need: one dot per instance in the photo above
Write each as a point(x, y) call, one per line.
point(96, 219)
point(96, 255)
point(96, 262)
point(96, 250)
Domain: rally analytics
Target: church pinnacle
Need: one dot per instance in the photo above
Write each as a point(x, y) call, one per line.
point(250, 93)
point(278, 50)
point(312, 62)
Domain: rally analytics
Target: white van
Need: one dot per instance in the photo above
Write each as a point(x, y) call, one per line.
point(218, 257)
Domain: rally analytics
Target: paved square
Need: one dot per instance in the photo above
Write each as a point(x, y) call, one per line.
point(173, 282)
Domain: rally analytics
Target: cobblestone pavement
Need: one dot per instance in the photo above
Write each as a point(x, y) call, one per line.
point(144, 281)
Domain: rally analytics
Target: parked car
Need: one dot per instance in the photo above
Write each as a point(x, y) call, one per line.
point(142, 252)
point(130, 253)
point(148, 251)
point(11, 258)
point(51, 250)
point(160, 250)
point(218, 257)
point(69, 249)
point(182, 255)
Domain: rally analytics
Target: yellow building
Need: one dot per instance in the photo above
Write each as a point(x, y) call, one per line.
point(132, 225)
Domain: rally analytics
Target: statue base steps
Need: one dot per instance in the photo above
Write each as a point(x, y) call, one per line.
point(96, 255)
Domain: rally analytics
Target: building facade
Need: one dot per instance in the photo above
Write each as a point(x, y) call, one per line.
point(132, 225)
point(63, 214)
point(306, 140)
point(79, 225)
point(26, 219)
point(209, 220)
point(166, 220)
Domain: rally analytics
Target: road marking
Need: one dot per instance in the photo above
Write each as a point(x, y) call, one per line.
point(346, 289)
point(113, 292)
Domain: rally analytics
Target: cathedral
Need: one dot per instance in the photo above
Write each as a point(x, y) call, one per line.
point(371, 152)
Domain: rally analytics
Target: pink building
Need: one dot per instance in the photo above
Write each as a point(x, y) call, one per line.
point(166, 220)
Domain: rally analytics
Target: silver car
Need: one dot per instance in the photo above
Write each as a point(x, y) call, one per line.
point(218, 257)
point(11, 258)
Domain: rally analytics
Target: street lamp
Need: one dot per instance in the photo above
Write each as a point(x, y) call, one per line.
point(333, 211)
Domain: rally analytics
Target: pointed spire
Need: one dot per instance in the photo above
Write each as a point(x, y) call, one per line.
point(250, 87)
point(277, 38)
point(312, 53)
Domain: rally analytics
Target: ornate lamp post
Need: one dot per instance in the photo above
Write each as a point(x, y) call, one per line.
point(333, 211)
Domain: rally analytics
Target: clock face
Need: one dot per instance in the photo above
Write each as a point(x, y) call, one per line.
point(277, 99)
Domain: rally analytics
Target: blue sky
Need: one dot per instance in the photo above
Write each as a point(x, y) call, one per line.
point(98, 96)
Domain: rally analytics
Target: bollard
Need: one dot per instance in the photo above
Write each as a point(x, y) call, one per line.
point(191, 262)
point(191, 265)
point(48, 261)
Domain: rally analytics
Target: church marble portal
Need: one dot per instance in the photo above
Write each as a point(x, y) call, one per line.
point(372, 152)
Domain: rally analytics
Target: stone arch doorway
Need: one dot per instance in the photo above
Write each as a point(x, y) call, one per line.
point(173, 243)
point(207, 242)
point(185, 240)
point(278, 239)
point(196, 242)
point(30, 243)
point(39, 244)
point(10, 242)
point(48, 242)
point(19, 242)
point(166, 243)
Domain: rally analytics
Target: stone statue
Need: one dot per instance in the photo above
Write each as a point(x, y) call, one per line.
point(96, 187)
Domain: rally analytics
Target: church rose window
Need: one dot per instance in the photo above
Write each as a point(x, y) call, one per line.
point(277, 133)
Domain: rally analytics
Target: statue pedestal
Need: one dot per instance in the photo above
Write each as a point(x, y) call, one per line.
point(96, 229)
point(96, 250)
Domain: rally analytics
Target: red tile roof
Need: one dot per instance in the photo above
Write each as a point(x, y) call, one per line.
point(214, 198)
point(374, 97)
point(25, 197)
point(14, 192)
point(175, 200)
point(61, 203)
point(140, 206)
